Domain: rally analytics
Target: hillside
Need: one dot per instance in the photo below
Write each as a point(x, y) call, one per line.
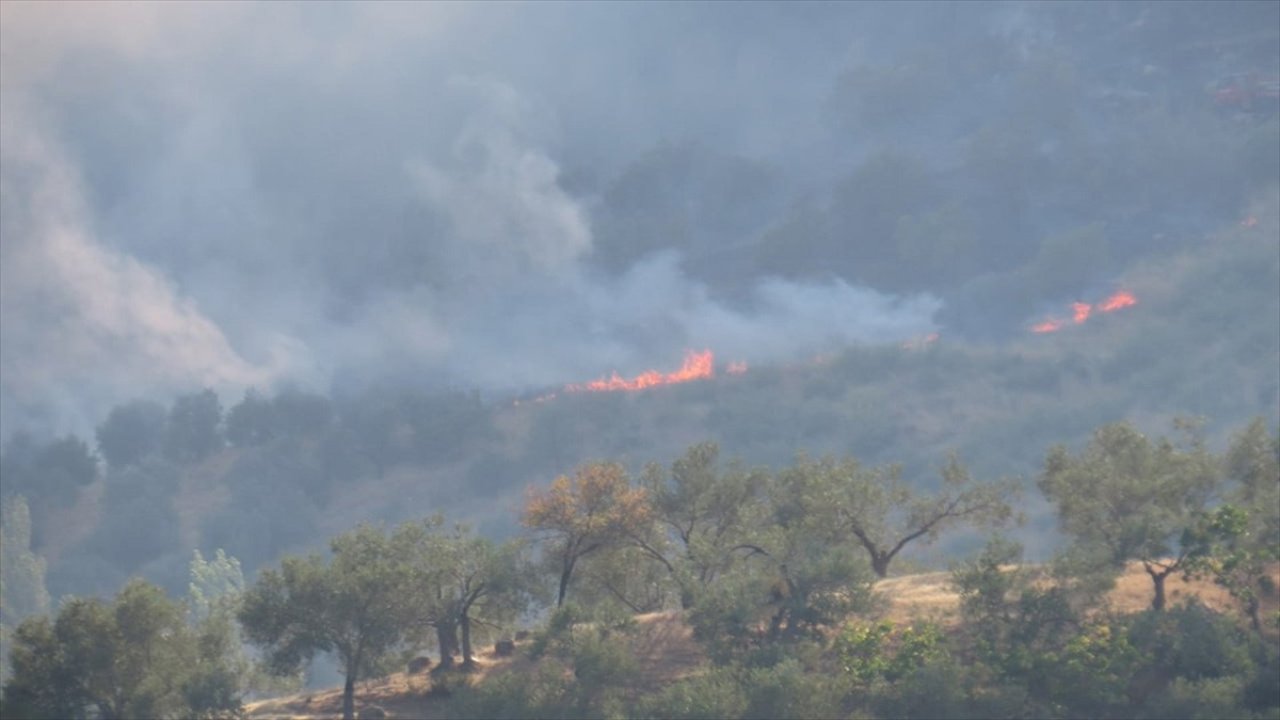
point(666, 650)
point(1180, 350)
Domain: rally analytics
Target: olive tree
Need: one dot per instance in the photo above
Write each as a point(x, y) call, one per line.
point(1125, 497)
point(357, 604)
point(876, 509)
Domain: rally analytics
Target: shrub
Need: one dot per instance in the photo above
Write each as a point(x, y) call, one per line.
point(713, 695)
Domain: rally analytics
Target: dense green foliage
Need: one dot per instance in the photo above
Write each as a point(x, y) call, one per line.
point(136, 657)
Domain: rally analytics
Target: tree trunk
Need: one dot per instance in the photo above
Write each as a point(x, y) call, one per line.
point(349, 696)
point(1157, 580)
point(447, 639)
point(467, 661)
point(775, 623)
point(565, 574)
point(1252, 609)
point(880, 564)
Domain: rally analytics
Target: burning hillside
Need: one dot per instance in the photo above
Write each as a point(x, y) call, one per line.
point(696, 366)
point(1081, 312)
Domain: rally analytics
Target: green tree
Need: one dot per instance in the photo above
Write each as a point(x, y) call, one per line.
point(1015, 631)
point(252, 421)
point(194, 430)
point(792, 576)
point(359, 605)
point(22, 589)
point(215, 595)
point(46, 473)
point(701, 514)
point(131, 432)
point(465, 581)
point(22, 586)
point(1126, 498)
point(133, 657)
point(214, 583)
point(877, 510)
point(1239, 541)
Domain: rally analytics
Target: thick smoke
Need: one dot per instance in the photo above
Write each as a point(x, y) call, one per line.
point(232, 196)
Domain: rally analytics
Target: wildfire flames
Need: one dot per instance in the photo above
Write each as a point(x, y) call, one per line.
point(701, 365)
point(697, 366)
point(1121, 299)
point(1047, 326)
point(1080, 312)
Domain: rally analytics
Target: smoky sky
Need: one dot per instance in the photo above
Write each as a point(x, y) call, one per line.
point(236, 195)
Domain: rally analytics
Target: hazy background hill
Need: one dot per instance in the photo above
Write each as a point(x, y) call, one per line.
point(394, 235)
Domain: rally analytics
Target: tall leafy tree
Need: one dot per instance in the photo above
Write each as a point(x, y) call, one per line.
point(133, 657)
point(1124, 497)
point(252, 421)
point(131, 432)
point(577, 516)
point(46, 472)
point(194, 430)
point(358, 605)
point(22, 589)
point(22, 586)
point(469, 580)
point(875, 509)
point(701, 513)
point(1239, 541)
point(215, 583)
point(791, 575)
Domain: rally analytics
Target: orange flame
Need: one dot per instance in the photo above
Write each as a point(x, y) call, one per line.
point(697, 366)
point(1121, 299)
point(1080, 312)
point(737, 367)
point(1048, 326)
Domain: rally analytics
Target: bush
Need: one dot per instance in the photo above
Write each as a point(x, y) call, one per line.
point(602, 660)
point(543, 693)
point(1204, 699)
point(713, 695)
point(787, 691)
point(1194, 642)
point(937, 690)
point(869, 652)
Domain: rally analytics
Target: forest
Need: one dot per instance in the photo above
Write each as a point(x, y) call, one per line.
point(628, 360)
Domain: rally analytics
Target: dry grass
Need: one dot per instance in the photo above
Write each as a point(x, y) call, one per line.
point(930, 595)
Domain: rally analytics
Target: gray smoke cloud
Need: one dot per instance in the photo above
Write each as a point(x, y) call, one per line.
point(234, 195)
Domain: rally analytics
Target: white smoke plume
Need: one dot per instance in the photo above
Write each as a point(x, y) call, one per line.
point(245, 195)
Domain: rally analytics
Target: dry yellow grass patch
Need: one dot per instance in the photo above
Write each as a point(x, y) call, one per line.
point(929, 596)
point(664, 645)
